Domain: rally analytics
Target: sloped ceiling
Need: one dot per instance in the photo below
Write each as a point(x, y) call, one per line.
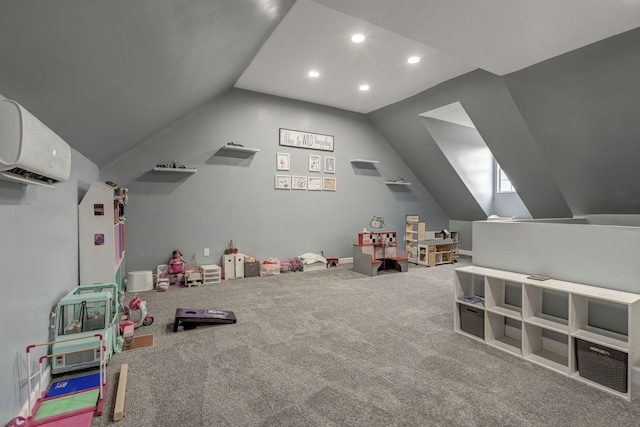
point(107, 75)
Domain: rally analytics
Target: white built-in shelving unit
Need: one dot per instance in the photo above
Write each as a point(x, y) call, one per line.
point(101, 237)
point(565, 341)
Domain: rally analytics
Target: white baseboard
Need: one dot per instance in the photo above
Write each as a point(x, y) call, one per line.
point(42, 385)
point(348, 260)
point(465, 252)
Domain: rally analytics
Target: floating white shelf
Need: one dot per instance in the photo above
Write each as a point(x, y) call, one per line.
point(175, 170)
point(365, 161)
point(239, 148)
point(397, 183)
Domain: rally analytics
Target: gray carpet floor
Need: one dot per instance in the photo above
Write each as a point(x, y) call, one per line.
point(336, 348)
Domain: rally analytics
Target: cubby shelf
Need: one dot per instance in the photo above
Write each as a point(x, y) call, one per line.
point(240, 148)
point(175, 170)
point(549, 323)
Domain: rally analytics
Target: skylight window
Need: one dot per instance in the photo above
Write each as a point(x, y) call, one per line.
point(503, 182)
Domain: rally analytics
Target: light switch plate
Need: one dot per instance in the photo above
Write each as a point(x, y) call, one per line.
point(206, 251)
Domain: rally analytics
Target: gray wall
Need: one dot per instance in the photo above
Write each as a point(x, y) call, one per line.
point(598, 255)
point(570, 250)
point(487, 101)
point(465, 234)
point(474, 163)
point(582, 110)
point(39, 245)
point(565, 132)
point(234, 197)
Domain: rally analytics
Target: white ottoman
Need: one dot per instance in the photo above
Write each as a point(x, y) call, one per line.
point(139, 281)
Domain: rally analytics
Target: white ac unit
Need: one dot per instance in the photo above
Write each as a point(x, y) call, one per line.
point(30, 152)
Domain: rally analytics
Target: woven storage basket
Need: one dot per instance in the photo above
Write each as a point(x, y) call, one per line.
point(602, 365)
point(231, 249)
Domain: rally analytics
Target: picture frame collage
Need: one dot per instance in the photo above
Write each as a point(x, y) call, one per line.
point(316, 164)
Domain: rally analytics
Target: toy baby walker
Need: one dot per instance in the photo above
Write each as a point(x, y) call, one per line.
point(162, 277)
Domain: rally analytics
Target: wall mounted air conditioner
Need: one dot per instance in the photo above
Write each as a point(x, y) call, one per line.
point(30, 152)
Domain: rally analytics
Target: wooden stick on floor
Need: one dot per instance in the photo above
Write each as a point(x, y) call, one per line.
point(118, 411)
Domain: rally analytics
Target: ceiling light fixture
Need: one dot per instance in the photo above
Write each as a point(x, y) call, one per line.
point(313, 73)
point(357, 38)
point(413, 59)
point(364, 87)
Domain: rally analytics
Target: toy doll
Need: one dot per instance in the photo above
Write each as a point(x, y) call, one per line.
point(122, 198)
point(176, 263)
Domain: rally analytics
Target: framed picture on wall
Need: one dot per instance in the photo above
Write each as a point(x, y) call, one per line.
point(314, 163)
point(328, 184)
point(412, 218)
point(283, 182)
point(298, 182)
point(282, 161)
point(329, 165)
point(314, 183)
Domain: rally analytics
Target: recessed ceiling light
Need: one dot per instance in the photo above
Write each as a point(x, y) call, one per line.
point(364, 87)
point(313, 73)
point(413, 60)
point(357, 38)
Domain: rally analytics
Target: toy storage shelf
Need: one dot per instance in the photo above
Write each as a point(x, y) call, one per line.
point(175, 170)
point(101, 237)
point(432, 252)
point(413, 233)
point(551, 323)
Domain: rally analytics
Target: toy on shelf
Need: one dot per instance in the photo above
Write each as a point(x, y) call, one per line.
point(173, 165)
point(122, 198)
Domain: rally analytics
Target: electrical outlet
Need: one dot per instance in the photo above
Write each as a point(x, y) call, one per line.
point(206, 251)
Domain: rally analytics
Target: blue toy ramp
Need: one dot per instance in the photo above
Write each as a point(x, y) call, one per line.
point(73, 385)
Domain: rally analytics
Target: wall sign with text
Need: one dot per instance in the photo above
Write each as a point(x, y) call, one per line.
point(311, 141)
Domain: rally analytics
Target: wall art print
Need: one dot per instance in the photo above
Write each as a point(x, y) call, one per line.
point(282, 162)
point(314, 183)
point(283, 182)
point(329, 165)
point(314, 163)
point(298, 182)
point(308, 140)
point(328, 184)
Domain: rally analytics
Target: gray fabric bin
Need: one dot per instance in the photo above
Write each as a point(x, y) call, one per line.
point(472, 320)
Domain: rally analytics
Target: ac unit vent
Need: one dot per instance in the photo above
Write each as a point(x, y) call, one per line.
point(31, 175)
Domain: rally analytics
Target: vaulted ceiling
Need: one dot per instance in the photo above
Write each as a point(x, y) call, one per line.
point(107, 75)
